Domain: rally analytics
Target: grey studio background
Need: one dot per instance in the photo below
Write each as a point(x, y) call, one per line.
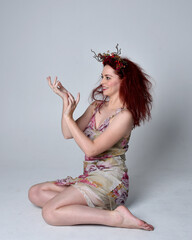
point(44, 37)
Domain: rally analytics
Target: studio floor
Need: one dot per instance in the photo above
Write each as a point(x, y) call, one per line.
point(55, 38)
point(166, 206)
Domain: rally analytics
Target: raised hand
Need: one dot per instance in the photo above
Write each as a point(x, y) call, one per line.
point(72, 104)
point(58, 88)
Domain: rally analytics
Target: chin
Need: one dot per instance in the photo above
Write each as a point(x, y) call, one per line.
point(105, 94)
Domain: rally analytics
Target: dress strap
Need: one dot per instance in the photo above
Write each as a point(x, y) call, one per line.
point(99, 106)
point(117, 111)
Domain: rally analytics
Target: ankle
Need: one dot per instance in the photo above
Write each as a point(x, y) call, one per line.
point(117, 218)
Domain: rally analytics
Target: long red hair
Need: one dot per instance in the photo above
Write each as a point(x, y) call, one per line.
point(134, 89)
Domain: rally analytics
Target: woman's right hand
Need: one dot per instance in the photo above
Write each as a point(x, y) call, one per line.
point(58, 88)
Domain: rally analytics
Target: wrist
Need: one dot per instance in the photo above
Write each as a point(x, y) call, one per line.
point(65, 104)
point(68, 117)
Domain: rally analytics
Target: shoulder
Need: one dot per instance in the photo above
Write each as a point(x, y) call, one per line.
point(126, 114)
point(124, 118)
point(119, 128)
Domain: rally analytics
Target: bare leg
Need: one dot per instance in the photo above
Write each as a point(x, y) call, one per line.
point(70, 208)
point(41, 193)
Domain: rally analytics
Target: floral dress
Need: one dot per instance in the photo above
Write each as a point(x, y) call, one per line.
point(105, 181)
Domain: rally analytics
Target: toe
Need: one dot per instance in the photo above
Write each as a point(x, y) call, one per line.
point(146, 226)
point(150, 228)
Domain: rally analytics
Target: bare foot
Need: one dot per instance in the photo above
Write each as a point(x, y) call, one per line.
point(127, 220)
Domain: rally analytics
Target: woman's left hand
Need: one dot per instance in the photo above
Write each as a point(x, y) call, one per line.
point(72, 105)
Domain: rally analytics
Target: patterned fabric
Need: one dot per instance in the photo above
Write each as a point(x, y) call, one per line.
point(105, 181)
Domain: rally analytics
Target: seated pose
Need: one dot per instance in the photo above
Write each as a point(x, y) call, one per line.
point(119, 104)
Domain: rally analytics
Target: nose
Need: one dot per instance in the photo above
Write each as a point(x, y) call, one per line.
point(102, 81)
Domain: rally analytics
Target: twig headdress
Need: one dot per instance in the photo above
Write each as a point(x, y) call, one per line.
point(115, 56)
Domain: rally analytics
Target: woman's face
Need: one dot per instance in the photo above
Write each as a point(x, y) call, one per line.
point(110, 81)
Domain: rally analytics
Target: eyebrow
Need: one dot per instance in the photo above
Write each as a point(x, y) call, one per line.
point(107, 75)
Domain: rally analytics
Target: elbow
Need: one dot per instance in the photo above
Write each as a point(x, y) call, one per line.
point(92, 150)
point(90, 153)
point(67, 137)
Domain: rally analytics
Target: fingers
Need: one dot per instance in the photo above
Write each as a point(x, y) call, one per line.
point(49, 81)
point(72, 100)
point(55, 83)
point(55, 80)
point(59, 84)
point(60, 90)
point(78, 98)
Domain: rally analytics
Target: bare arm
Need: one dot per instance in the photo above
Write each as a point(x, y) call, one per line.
point(121, 125)
point(82, 121)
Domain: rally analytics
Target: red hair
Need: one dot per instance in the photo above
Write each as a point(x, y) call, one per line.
point(134, 89)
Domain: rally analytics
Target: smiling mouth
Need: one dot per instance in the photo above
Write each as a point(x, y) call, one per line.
point(105, 89)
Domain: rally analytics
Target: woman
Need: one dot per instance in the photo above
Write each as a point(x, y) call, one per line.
point(102, 132)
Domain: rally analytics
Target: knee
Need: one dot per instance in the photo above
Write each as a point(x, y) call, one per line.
point(48, 215)
point(33, 194)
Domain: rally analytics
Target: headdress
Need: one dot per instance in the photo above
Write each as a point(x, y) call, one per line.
point(120, 63)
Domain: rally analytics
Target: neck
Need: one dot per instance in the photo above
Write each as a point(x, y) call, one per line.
point(114, 103)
